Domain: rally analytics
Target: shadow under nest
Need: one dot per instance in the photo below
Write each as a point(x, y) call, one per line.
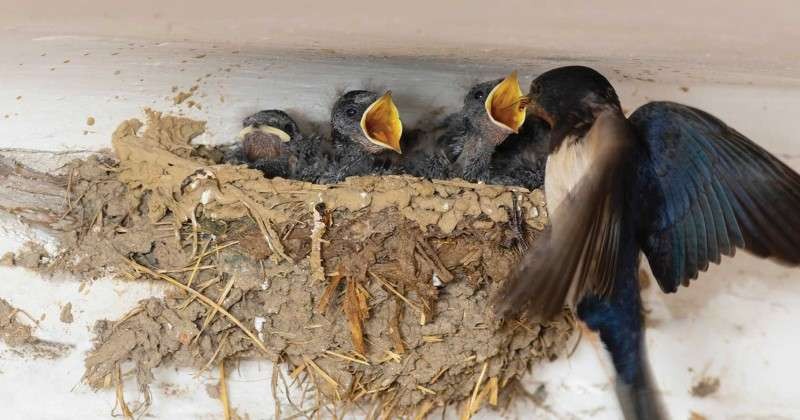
point(373, 293)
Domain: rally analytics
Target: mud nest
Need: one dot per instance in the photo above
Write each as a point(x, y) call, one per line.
point(374, 292)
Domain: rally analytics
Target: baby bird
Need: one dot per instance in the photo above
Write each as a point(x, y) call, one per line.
point(366, 131)
point(272, 142)
point(492, 111)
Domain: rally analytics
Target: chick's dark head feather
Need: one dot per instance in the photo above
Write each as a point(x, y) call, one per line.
point(274, 118)
point(265, 135)
point(367, 119)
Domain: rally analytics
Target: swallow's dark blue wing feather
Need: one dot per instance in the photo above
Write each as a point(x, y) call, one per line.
point(715, 191)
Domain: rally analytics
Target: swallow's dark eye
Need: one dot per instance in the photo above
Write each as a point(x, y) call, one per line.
point(535, 89)
point(287, 127)
point(351, 112)
point(479, 95)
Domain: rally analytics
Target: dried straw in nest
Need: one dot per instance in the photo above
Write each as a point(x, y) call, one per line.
point(373, 293)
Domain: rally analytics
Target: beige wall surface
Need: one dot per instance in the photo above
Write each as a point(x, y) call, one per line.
point(761, 33)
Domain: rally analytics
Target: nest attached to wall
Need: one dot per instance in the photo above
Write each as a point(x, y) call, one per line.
point(374, 292)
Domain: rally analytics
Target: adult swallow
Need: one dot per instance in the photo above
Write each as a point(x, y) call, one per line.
point(366, 130)
point(272, 142)
point(671, 181)
point(491, 112)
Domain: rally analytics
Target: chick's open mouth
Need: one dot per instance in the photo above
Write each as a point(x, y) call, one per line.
point(506, 103)
point(381, 123)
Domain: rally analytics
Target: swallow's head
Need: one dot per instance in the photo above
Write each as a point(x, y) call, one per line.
point(571, 95)
point(265, 133)
point(370, 120)
point(499, 103)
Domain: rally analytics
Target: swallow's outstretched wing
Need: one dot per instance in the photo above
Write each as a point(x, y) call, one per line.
point(578, 253)
point(709, 190)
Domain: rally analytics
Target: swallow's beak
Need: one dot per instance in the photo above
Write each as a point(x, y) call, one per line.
point(506, 104)
point(536, 108)
point(266, 129)
point(538, 111)
point(381, 123)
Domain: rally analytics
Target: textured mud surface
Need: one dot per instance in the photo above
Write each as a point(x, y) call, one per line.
point(373, 291)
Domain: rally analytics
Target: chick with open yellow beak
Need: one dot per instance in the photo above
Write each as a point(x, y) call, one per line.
point(367, 120)
point(366, 131)
point(492, 111)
